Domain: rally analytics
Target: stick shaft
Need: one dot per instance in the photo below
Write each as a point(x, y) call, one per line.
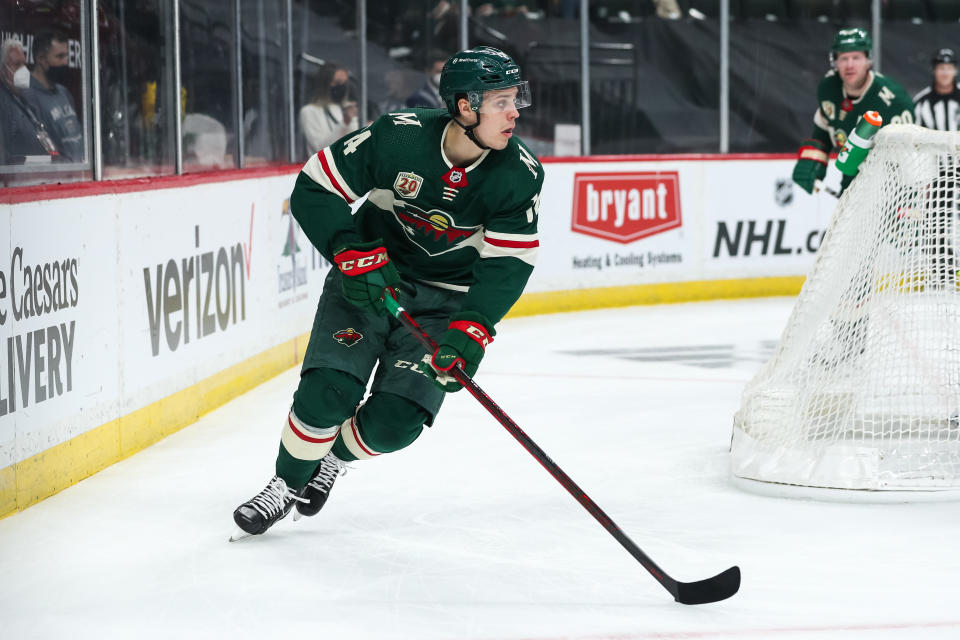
point(552, 468)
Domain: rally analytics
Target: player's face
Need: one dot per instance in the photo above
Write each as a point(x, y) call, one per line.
point(853, 67)
point(500, 113)
point(945, 74)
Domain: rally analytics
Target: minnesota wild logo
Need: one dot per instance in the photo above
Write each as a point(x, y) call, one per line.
point(348, 337)
point(840, 138)
point(436, 231)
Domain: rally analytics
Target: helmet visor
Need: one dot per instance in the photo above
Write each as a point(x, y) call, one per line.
point(501, 100)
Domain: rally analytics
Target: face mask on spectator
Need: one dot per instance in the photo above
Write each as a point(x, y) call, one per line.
point(21, 78)
point(338, 92)
point(58, 74)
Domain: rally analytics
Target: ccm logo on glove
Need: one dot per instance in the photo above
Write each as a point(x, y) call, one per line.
point(368, 273)
point(353, 262)
point(463, 343)
point(475, 331)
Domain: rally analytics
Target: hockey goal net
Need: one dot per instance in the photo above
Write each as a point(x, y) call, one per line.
point(863, 390)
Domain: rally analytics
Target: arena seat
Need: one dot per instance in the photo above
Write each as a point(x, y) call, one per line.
point(813, 8)
point(905, 10)
point(944, 10)
point(768, 9)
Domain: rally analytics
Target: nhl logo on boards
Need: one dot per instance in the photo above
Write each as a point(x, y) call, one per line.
point(407, 184)
point(783, 192)
point(455, 178)
point(348, 337)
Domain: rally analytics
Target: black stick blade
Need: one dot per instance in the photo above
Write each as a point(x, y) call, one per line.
point(719, 587)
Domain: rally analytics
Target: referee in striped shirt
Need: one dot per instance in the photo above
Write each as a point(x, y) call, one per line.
point(938, 106)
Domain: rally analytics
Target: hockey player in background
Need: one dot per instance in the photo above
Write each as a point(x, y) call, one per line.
point(449, 228)
point(847, 91)
point(938, 106)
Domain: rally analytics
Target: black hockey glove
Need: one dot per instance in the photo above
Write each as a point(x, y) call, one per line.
point(463, 344)
point(845, 182)
point(367, 273)
point(811, 164)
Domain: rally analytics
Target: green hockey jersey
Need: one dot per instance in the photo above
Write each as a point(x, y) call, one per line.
point(470, 228)
point(837, 114)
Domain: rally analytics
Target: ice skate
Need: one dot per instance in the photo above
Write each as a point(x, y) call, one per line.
point(259, 513)
point(317, 491)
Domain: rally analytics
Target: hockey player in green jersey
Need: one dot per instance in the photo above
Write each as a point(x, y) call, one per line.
point(847, 91)
point(449, 227)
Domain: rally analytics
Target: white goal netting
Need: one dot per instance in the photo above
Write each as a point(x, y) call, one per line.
point(863, 390)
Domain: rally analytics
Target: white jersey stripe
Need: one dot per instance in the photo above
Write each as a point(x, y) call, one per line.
point(355, 443)
point(335, 174)
point(512, 237)
point(305, 442)
point(315, 172)
point(330, 180)
point(820, 121)
point(527, 254)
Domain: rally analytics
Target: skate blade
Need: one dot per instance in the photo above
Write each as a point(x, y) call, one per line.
point(296, 515)
point(239, 535)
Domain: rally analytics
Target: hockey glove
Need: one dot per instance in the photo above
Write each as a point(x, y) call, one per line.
point(462, 345)
point(811, 165)
point(367, 273)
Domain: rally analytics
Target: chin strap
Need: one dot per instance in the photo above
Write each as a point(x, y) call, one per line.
point(469, 131)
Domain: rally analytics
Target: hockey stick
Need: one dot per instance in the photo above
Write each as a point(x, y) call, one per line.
point(719, 587)
point(818, 185)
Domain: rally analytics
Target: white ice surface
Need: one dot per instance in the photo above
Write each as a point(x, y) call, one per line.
point(464, 535)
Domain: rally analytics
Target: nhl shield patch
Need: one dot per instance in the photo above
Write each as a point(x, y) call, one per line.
point(348, 337)
point(407, 184)
point(456, 178)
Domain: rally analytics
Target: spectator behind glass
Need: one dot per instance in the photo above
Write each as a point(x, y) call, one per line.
point(22, 134)
point(50, 99)
point(328, 115)
point(429, 94)
point(486, 8)
point(398, 88)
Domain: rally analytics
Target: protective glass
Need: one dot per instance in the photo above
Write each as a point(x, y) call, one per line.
point(500, 100)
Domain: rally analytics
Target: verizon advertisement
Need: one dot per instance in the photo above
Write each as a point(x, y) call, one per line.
point(112, 302)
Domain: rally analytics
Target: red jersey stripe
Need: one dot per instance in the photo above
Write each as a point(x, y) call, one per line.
point(356, 438)
point(514, 244)
point(305, 437)
point(333, 181)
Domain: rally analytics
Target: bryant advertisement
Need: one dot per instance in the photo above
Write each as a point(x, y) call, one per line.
point(613, 224)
